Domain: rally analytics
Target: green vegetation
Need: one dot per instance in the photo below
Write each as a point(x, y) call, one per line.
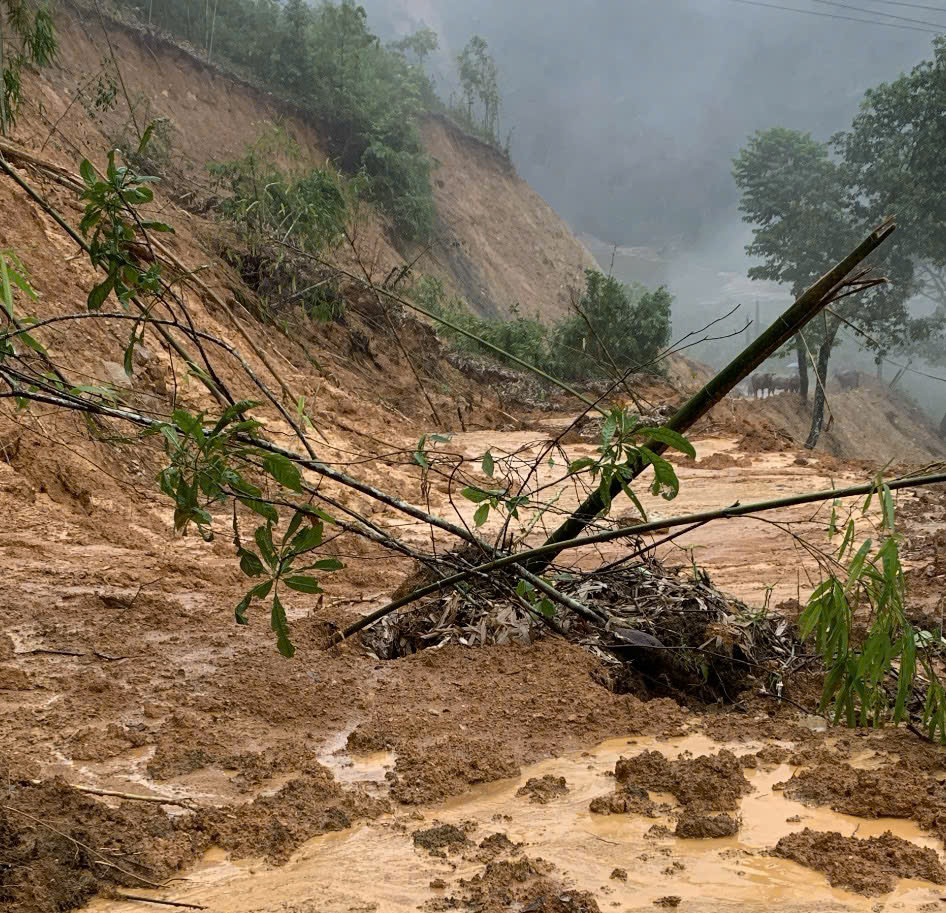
point(366, 96)
point(872, 676)
point(616, 329)
point(305, 206)
point(478, 108)
point(280, 211)
point(798, 197)
point(27, 37)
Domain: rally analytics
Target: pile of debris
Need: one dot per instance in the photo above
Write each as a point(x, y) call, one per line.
point(665, 630)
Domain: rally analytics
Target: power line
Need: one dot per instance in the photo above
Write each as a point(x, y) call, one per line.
point(916, 6)
point(861, 9)
point(795, 9)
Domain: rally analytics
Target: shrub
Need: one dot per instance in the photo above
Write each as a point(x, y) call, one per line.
point(308, 207)
point(617, 328)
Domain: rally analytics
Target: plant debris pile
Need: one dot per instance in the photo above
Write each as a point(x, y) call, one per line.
point(663, 631)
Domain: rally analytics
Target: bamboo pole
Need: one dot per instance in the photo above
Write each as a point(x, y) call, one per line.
point(810, 303)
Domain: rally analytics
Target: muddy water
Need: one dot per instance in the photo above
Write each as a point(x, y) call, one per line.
point(375, 867)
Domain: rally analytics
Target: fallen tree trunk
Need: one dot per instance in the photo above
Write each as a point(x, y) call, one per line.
point(809, 304)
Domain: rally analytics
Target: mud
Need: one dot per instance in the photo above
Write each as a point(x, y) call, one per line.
point(707, 783)
point(543, 854)
point(120, 666)
point(440, 838)
point(693, 825)
point(871, 866)
point(542, 790)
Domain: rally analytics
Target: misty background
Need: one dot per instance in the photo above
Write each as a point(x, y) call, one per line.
point(626, 116)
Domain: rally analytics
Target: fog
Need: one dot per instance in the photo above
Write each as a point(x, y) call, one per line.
point(626, 116)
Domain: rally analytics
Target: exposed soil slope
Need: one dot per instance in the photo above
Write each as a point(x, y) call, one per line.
point(498, 243)
point(501, 241)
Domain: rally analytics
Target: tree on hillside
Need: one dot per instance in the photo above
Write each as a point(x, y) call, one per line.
point(616, 328)
point(893, 158)
point(420, 43)
point(797, 197)
point(479, 81)
point(27, 37)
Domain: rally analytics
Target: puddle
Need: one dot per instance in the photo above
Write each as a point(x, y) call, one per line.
point(376, 866)
point(355, 768)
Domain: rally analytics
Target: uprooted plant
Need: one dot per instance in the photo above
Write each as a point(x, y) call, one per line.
point(221, 467)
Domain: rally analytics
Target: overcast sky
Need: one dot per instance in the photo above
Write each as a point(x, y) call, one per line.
point(627, 114)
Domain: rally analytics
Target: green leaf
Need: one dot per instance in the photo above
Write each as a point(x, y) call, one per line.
point(670, 438)
point(32, 343)
point(261, 590)
point(302, 583)
point(308, 539)
point(158, 226)
point(578, 465)
point(419, 456)
point(7, 294)
point(488, 464)
point(634, 499)
point(99, 293)
point(441, 438)
point(191, 425)
point(146, 138)
point(283, 470)
point(476, 495)
point(87, 173)
point(482, 512)
point(242, 607)
point(280, 625)
point(294, 523)
point(250, 563)
point(264, 541)
point(266, 511)
point(327, 564)
point(232, 412)
point(607, 429)
point(128, 362)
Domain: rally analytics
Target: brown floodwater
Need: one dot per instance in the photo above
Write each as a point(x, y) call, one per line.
point(376, 867)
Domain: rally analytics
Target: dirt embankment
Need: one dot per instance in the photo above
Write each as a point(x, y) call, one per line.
point(497, 242)
point(501, 241)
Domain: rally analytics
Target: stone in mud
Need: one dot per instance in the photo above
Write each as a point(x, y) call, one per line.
point(671, 900)
point(695, 826)
point(619, 874)
point(540, 790)
point(869, 866)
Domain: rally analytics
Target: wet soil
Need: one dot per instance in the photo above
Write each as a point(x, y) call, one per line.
point(488, 848)
point(870, 866)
